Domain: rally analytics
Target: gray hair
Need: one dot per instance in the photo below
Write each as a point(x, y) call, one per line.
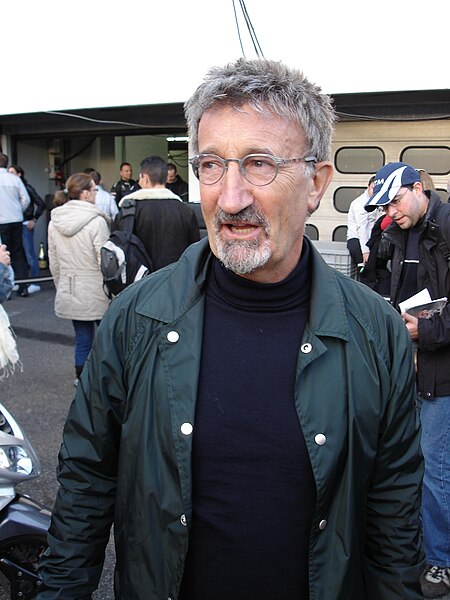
point(267, 86)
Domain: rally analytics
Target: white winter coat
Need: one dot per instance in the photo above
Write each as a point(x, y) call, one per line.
point(76, 232)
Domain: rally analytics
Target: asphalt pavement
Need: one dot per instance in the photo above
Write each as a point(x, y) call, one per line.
point(39, 395)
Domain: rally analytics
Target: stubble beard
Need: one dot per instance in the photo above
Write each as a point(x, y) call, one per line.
point(242, 256)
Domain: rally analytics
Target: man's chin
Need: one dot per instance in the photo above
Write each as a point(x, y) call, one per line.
point(243, 257)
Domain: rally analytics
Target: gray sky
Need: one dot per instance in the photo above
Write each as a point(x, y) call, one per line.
point(66, 55)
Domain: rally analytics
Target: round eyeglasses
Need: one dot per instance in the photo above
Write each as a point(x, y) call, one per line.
point(257, 169)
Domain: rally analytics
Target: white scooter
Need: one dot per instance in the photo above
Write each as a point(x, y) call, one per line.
point(23, 522)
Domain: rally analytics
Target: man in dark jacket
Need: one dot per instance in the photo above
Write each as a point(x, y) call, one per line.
point(247, 416)
point(165, 225)
point(420, 235)
point(126, 185)
point(176, 184)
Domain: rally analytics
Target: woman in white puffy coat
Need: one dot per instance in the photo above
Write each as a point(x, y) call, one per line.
point(77, 231)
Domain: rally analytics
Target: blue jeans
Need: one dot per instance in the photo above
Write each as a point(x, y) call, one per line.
point(435, 419)
point(84, 336)
point(28, 246)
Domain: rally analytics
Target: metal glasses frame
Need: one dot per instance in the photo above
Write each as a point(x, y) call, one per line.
point(224, 161)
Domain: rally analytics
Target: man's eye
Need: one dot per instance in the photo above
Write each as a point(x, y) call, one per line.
point(209, 165)
point(258, 163)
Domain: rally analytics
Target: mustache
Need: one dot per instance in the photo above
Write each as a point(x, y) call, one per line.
point(250, 215)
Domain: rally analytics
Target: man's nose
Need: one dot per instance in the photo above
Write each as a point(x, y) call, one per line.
point(235, 191)
point(390, 210)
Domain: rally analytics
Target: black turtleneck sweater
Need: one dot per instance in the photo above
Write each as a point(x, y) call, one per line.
point(253, 488)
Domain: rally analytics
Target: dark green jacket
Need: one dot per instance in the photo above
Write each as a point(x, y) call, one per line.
point(126, 450)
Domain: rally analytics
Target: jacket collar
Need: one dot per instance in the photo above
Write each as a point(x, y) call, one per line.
point(172, 291)
point(398, 235)
point(151, 194)
point(433, 206)
point(328, 315)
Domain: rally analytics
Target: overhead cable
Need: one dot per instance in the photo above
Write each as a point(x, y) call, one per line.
point(83, 118)
point(238, 30)
point(339, 114)
point(251, 30)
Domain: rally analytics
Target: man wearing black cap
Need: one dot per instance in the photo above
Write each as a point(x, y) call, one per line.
point(420, 235)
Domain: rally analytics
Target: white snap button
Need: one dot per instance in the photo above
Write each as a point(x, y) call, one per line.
point(183, 520)
point(320, 439)
point(306, 348)
point(186, 428)
point(173, 336)
point(322, 524)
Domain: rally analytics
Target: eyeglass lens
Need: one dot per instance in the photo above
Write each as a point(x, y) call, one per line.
point(257, 169)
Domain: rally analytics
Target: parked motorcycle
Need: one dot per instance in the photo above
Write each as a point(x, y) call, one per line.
point(23, 522)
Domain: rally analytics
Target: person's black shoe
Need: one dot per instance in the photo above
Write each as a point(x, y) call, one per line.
point(23, 293)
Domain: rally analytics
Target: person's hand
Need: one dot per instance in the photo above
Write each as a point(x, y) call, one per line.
point(365, 257)
point(412, 325)
point(4, 256)
point(30, 225)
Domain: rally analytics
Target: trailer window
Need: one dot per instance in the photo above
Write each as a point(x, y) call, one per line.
point(340, 234)
point(359, 159)
point(443, 194)
point(344, 196)
point(434, 159)
point(311, 231)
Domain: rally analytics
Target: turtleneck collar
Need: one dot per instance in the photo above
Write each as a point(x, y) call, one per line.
point(249, 295)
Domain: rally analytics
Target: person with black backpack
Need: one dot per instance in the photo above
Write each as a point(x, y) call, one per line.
point(165, 225)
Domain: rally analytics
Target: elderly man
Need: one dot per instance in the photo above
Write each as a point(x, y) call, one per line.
point(420, 235)
point(247, 417)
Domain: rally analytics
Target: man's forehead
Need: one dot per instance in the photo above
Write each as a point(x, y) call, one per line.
point(225, 111)
point(257, 131)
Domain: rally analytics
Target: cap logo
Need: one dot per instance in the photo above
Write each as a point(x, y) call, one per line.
point(390, 185)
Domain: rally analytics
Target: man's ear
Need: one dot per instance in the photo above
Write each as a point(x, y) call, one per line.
point(418, 188)
point(320, 181)
point(144, 178)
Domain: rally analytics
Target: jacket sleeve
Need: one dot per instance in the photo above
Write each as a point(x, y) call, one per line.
point(88, 462)
point(53, 262)
point(434, 333)
point(113, 208)
point(393, 554)
point(100, 234)
point(24, 196)
point(5, 282)
point(36, 200)
point(352, 230)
